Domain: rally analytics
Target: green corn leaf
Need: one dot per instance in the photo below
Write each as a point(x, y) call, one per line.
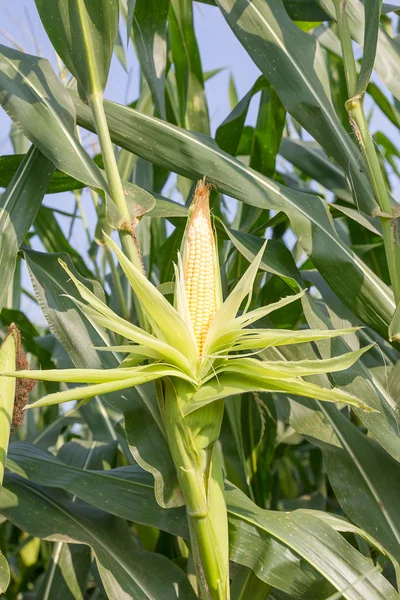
point(252, 339)
point(328, 552)
point(129, 491)
point(372, 13)
point(355, 462)
point(83, 33)
point(264, 338)
point(125, 569)
point(130, 349)
point(343, 525)
point(18, 208)
point(32, 95)
point(258, 313)
point(149, 35)
point(4, 574)
point(229, 132)
point(97, 375)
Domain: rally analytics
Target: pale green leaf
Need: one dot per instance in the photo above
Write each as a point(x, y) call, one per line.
point(163, 317)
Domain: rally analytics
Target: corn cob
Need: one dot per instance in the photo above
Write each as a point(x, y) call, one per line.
point(200, 265)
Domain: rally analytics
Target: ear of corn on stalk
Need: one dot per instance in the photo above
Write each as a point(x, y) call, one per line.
point(201, 269)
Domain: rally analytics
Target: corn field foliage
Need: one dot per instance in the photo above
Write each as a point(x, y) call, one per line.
point(208, 405)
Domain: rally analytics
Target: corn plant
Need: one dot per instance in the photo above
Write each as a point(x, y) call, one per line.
point(212, 415)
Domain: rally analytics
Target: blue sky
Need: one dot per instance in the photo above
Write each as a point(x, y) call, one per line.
point(219, 48)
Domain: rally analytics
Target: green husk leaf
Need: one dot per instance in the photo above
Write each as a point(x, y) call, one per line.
point(163, 317)
point(131, 379)
point(99, 312)
point(230, 307)
point(263, 338)
point(230, 384)
point(302, 368)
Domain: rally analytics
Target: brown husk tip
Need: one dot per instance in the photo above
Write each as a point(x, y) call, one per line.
point(23, 386)
point(201, 198)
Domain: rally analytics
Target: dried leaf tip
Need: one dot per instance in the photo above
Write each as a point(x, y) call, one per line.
point(23, 386)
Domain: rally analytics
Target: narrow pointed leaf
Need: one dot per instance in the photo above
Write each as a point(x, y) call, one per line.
point(230, 307)
point(18, 208)
point(301, 368)
point(83, 34)
point(97, 375)
point(149, 35)
point(263, 338)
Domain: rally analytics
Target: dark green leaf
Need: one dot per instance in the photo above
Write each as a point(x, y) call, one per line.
point(311, 160)
point(126, 570)
point(372, 14)
point(34, 98)
point(127, 492)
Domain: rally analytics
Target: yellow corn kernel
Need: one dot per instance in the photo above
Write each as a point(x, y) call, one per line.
point(200, 266)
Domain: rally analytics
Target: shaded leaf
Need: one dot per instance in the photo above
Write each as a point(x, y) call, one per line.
point(126, 570)
point(18, 208)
